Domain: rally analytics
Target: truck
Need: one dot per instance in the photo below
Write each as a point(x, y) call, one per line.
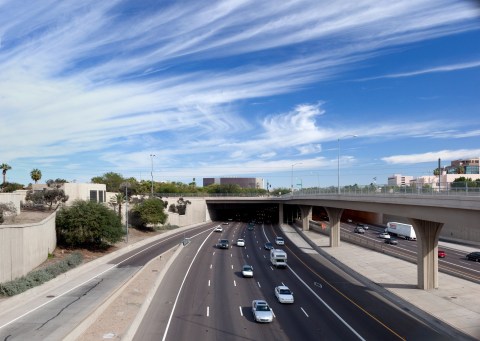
point(278, 258)
point(401, 230)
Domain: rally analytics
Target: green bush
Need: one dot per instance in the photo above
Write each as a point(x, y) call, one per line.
point(88, 224)
point(38, 277)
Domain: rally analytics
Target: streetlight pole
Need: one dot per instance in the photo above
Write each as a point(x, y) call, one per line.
point(151, 158)
point(291, 180)
point(338, 160)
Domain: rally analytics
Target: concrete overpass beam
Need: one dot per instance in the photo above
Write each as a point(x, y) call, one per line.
point(427, 233)
point(334, 215)
point(306, 212)
point(280, 213)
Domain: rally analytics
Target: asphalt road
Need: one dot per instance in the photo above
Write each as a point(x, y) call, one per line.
point(454, 263)
point(54, 315)
point(206, 298)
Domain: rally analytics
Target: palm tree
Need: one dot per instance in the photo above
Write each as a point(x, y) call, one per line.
point(36, 174)
point(4, 167)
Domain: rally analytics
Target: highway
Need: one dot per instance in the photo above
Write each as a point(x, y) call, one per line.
point(55, 314)
point(206, 298)
point(454, 263)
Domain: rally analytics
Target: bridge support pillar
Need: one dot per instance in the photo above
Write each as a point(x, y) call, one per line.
point(306, 212)
point(427, 233)
point(280, 213)
point(334, 215)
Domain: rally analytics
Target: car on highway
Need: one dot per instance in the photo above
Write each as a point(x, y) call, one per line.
point(240, 242)
point(225, 223)
point(441, 254)
point(284, 294)
point(261, 311)
point(223, 244)
point(247, 271)
point(279, 241)
point(384, 235)
point(359, 230)
point(392, 241)
point(475, 256)
point(363, 226)
point(218, 228)
point(268, 246)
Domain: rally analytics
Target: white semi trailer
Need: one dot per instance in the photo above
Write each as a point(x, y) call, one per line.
point(401, 230)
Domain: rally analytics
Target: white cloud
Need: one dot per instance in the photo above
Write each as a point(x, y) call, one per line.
point(432, 156)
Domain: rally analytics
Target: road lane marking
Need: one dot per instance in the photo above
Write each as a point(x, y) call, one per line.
point(232, 266)
point(208, 282)
point(304, 312)
point(211, 265)
point(208, 311)
point(241, 312)
point(234, 283)
point(327, 306)
point(258, 283)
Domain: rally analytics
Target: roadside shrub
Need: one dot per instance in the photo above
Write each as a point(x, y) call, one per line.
point(38, 277)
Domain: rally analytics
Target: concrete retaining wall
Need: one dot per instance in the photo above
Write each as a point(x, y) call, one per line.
point(196, 212)
point(24, 247)
point(15, 198)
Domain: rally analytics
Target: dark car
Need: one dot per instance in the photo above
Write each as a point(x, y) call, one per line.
point(475, 256)
point(268, 246)
point(392, 241)
point(359, 230)
point(223, 244)
point(362, 226)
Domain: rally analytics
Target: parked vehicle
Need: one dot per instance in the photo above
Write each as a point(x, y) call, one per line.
point(401, 230)
point(284, 294)
point(268, 246)
point(278, 258)
point(261, 311)
point(475, 256)
point(247, 271)
point(392, 241)
point(279, 241)
point(384, 235)
point(441, 254)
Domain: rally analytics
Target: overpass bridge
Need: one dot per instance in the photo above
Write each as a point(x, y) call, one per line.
point(426, 212)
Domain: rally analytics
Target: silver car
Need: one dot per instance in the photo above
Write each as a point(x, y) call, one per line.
point(284, 294)
point(261, 311)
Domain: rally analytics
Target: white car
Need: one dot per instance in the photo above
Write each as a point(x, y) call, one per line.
point(279, 241)
point(247, 271)
point(218, 228)
point(284, 294)
point(261, 311)
point(240, 242)
point(384, 235)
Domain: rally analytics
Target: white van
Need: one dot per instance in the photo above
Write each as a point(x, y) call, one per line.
point(278, 258)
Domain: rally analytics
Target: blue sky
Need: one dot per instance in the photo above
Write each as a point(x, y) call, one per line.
point(238, 88)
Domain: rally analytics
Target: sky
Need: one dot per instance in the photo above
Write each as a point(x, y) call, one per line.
point(303, 93)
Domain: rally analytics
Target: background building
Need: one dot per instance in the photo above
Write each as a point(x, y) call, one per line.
point(242, 182)
point(399, 180)
point(467, 166)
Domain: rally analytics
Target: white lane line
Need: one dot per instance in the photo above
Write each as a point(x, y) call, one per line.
point(327, 306)
point(208, 282)
point(304, 312)
point(232, 266)
point(180, 290)
point(247, 256)
point(208, 311)
point(234, 283)
point(211, 265)
point(240, 308)
point(258, 283)
point(231, 255)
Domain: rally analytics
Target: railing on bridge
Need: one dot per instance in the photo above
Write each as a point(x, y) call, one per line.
point(471, 188)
